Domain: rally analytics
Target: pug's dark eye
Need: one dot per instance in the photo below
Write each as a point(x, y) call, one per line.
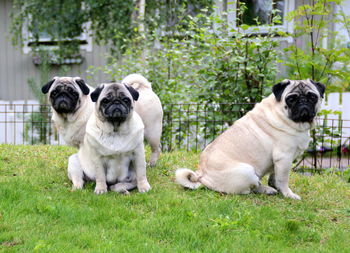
point(126, 100)
point(70, 90)
point(54, 93)
point(104, 101)
point(312, 96)
point(291, 99)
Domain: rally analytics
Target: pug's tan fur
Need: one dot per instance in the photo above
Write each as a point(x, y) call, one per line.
point(112, 154)
point(71, 126)
point(264, 141)
point(149, 107)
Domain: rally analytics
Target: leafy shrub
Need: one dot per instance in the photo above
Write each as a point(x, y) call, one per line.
point(206, 62)
point(325, 62)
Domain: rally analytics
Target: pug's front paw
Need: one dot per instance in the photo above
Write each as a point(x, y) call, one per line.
point(292, 195)
point(77, 187)
point(143, 187)
point(100, 190)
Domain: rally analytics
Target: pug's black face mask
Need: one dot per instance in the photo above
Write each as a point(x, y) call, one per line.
point(302, 106)
point(64, 99)
point(115, 107)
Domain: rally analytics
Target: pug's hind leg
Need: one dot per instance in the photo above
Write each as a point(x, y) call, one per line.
point(238, 179)
point(75, 172)
point(154, 155)
point(264, 189)
point(153, 138)
point(123, 187)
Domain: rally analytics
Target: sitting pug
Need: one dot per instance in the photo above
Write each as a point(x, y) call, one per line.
point(113, 151)
point(265, 141)
point(71, 107)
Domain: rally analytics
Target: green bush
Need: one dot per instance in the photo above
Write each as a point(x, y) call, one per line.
point(325, 62)
point(206, 62)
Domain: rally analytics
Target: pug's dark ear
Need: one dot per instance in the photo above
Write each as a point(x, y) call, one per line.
point(134, 93)
point(320, 87)
point(278, 89)
point(96, 93)
point(45, 89)
point(82, 85)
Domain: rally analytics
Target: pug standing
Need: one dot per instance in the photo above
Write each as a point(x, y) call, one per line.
point(265, 141)
point(71, 107)
point(113, 151)
point(149, 107)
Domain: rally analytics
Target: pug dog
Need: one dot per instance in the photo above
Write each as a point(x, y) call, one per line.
point(265, 141)
point(149, 107)
point(71, 107)
point(112, 153)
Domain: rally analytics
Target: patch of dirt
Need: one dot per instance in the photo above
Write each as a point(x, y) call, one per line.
point(10, 243)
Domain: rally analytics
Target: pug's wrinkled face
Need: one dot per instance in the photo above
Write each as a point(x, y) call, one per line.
point(65, 93)
point(302, 98)
point(114, 101)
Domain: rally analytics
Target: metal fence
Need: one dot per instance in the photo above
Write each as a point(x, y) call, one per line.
point(185, 127)
point(27, 124)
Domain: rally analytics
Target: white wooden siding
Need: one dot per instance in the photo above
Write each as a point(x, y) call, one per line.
point(16, 67)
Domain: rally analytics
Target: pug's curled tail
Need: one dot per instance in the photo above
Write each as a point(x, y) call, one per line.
point(187, 178)
point(137, 81)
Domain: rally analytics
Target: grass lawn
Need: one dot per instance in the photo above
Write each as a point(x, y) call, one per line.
point(39, 212)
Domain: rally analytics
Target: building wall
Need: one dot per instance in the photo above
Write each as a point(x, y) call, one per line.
point(16, 67)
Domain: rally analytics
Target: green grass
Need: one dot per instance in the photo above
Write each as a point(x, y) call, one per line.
point(39, 212)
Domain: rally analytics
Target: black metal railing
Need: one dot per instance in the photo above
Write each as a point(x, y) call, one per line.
point(185, 127)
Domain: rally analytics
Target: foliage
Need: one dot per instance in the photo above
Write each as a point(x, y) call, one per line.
point(207, 62)
point(310, 57)
point(39, 211)
point(237, 65)
point(110, 22)
point(325, 63)
point(58, 19)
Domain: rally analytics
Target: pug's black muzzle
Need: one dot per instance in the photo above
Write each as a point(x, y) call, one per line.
point(116, 112)
point(303, 113)
point(64, 103)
